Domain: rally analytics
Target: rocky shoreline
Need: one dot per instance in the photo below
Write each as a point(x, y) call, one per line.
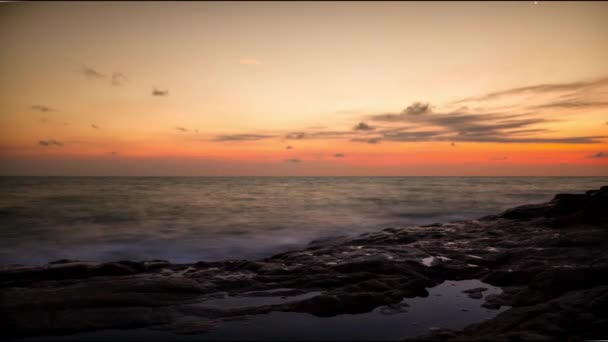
point(550, 259)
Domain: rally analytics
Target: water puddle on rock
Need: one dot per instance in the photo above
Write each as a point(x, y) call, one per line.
point(446, 306)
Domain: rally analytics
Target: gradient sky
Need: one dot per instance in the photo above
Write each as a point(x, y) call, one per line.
point(304, 88)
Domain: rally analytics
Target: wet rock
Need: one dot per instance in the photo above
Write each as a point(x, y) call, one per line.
point(565, 317)
point(551, 260)
point(475, 293)
point(344, 301)
point(488, 305)
point(508, 277)
point(527, 212)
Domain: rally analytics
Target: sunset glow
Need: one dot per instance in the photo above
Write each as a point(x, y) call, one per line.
point(310, 88)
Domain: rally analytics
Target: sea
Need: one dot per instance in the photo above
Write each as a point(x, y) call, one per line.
point(190, 219)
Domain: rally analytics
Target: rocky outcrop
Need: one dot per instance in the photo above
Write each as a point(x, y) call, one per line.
point(551, 260)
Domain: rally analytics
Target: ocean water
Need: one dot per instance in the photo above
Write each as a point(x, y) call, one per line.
point(189, 219)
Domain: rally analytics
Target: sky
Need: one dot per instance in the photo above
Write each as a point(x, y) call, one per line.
point(304, 88)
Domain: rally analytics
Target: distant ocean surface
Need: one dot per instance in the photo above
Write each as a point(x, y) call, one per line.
point(189, 219)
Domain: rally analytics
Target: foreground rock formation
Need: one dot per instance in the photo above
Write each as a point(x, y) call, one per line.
point(550, 259)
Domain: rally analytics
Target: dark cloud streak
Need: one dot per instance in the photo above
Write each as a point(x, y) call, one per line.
point(537, 89)
point(157, 92)
point(362, 126)
point(91, 73)
point(242, 137)
point(43, 109)
point(50, 142)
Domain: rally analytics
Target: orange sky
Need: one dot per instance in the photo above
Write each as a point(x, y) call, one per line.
point(304, 88)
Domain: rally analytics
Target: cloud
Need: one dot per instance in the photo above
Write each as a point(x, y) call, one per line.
point(50, 142)
point(417, 108)
point(157, 92)
point(183, 129)
point(339, 155)
point(572, 104)
point(375, 140)
point(538, 89)
point(43, 109)
point(94, 126)
point(413, 136)
point(295, 135)
point(113, 153)
point(293, 160)
point(498, 158)
point(466, 127)
point(362, 126)
point(242, 137)
point(569, 140)
point(249, 61)
point(598, 155)
point(91, 73)
point(420, 121)
point(288, 147)
point(118, 79)
point(318, 135)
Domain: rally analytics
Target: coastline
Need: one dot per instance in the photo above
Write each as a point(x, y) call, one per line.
point(550, 260)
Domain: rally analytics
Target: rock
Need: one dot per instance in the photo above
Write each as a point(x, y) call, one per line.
point(475, 290)
point(476, 295)
point(491, 306)
point(550, 259)
point(565, 317)
point(527, 212)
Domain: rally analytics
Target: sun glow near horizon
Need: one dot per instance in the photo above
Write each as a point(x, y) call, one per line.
point(313, 88)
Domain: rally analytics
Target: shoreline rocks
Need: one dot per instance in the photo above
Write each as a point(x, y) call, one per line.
point(551, 260)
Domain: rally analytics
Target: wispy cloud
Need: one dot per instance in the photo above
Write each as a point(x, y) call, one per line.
point(182, 129)
point(417, 108)
point(506, 123)
point(91, 73)
point(318, 135)
point(295, 135)
point(157, 92)
point(598, 155)
point(362, 126)
point(374, 140)
point(339, 155)
point(242, 137)
point(43, 109)
point(467, 127)
point(50, 142)
point(289, 147)
point(118, 79)
point(94, 126)
point(295, 160)
point(538, 89)
point(572, 104)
